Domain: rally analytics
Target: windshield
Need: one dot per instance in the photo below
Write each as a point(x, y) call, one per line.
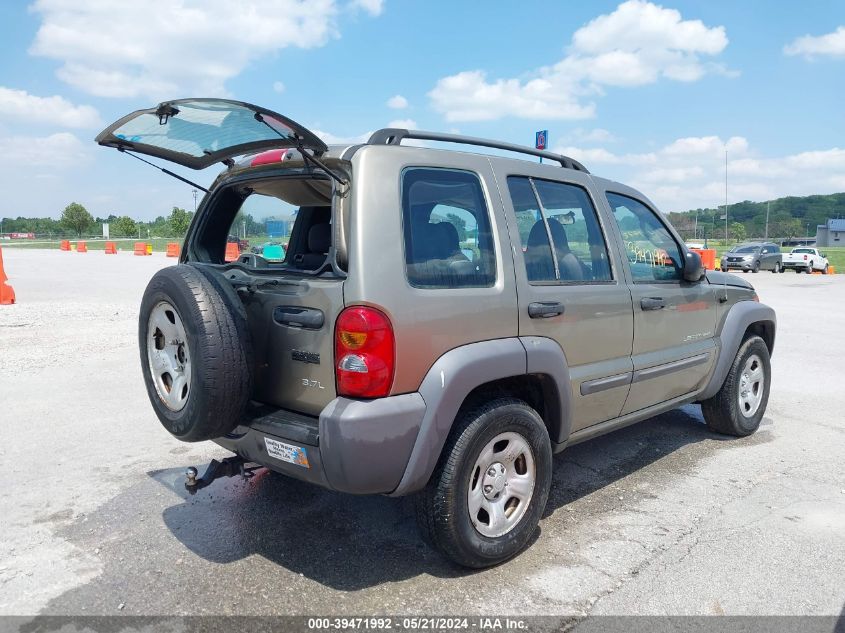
point(745, 249)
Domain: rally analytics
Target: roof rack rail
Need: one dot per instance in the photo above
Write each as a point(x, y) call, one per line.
point(395, 136)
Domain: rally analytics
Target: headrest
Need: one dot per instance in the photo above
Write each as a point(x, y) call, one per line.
point(538, 237)
point(320, 238)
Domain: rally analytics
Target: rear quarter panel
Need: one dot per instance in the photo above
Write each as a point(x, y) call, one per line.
point(426, 322)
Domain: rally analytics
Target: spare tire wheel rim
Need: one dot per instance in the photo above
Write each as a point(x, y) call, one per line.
point(501, 485)
point(168, 356)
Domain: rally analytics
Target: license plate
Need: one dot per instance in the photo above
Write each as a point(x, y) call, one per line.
point(287, 452)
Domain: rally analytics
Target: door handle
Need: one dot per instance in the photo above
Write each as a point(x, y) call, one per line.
point(545, 309)
point(652, 303)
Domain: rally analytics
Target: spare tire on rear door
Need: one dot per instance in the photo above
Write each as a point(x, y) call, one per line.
point(196, 355)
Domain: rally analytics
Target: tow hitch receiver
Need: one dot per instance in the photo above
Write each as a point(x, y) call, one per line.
point(229, 467)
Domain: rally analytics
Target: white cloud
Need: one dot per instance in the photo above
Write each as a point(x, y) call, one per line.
point(113, 48)
point(373, 7)
point(810, 46)
point(639, 43)
point(278, 87)
point(405, 124)
point(595, 135)
point(55, 151)
point(333, 139)
point(55, 110)
point(689, 173)
point(397, 102)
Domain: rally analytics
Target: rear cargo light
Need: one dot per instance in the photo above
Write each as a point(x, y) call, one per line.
point(805, 258)
point(364, 353)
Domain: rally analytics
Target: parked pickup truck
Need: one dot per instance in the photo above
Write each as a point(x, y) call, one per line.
point(805, 259)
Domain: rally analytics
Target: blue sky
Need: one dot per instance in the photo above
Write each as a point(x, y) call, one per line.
point(648, 93)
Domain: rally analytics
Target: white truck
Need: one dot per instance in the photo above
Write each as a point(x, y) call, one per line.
point(805, 259)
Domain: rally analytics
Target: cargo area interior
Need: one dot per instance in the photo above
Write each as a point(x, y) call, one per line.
point(308, 199)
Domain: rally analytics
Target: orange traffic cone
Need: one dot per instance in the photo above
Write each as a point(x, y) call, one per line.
point(232, 252)
point(7, 293)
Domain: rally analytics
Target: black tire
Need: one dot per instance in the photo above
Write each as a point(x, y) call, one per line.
point(776, 269)
point(824, 270)
point(782, 269)
point(809, 270)
point(442, 507)
point(756, 268)
point(722, 412)
point(218, 347)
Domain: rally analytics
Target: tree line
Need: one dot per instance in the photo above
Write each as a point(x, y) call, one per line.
point(76, 221)
point(789, 217)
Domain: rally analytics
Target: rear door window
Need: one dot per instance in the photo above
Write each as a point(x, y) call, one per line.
point(447, 233)
point(562, 240)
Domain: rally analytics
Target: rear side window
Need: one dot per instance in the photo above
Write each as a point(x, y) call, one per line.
point(559, 231)
point(446, 224)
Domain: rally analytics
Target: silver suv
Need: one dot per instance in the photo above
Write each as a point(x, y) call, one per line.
point(441, 324)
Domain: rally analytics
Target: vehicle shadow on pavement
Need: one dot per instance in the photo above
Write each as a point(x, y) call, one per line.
point(350, 543)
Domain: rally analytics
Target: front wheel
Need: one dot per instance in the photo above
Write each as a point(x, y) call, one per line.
point(738, 407)
point(756, 268)
point(490, 487)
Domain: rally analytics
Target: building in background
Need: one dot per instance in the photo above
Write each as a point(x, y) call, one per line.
point(832, 233)
point(278, 228)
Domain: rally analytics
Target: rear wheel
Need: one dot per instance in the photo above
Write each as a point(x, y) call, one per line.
point(810, 269)
point(738, 407)
point(824, 270)
point(776, 269)
point(485, 498)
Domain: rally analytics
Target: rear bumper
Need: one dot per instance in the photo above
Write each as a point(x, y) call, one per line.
point(355, 446)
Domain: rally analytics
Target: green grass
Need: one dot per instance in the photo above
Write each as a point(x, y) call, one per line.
point(96, 244)
point(836, 257)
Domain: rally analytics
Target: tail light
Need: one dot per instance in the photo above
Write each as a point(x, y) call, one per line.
point(805, 258)
point(364, 353)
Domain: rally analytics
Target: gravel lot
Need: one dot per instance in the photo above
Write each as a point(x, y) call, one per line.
point(660, 518)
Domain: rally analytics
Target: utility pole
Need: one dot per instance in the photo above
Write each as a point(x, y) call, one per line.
point(194, 191)
point(768, 206)
point(726, 197)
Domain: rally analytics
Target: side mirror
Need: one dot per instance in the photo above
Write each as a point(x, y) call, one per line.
point(693, 268)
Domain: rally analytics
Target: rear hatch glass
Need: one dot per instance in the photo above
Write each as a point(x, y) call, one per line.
point(197, 133)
